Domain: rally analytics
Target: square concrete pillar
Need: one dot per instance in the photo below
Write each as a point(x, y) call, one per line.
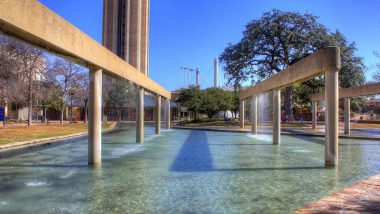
point(332, 110)
point(167, 113)
point(314, 110)
point(140, 115)
point(158, 114)
point(254, 114)
point(94, 117)
point(241, 113)
point(276, 116)
point(347, 112)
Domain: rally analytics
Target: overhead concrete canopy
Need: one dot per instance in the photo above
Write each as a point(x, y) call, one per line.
point(31, 21)
point(364, 90)
point(326, 59)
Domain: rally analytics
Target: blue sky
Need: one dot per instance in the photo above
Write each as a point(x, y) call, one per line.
point(192, 33)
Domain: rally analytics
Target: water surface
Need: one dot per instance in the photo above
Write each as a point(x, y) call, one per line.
point(181, 171)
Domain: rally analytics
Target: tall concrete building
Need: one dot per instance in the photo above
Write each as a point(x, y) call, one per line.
point(126, 30)
point(126, 33)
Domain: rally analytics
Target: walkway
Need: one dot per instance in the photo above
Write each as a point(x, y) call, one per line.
point(362, 197)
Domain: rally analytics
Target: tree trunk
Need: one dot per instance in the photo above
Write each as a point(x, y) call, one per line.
point(288, 103)
point(45, 110)
point(30, 107)
point(225, 112)
point(62, 110)
point(119, 114)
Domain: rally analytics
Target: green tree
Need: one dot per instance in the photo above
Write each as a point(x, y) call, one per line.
point(215, 100)
point(271, 44)
point(208, 101)
point(351, 73)
point(279, 39)
point(376, 76)
point(191, 98)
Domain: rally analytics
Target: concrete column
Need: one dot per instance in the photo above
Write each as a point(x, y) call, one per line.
point(276, 116)
point(140, 115)
point(332, 110)
point(347, 112)
point(241, 113)
point(254, 114)
point(167, 113)
point(94, 117)
point(314, 114)
point(158, 114)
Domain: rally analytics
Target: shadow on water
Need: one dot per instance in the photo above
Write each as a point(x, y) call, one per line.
point(240, 144)
point(195, 155)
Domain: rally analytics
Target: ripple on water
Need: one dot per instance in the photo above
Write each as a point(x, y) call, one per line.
point(260, 137)
point(130, 148)
point(302, 151)
point(167, 130)
point(150, 137)
point(36, 183)
point(67, 175)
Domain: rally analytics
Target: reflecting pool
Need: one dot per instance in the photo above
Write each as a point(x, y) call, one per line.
point(181, 171)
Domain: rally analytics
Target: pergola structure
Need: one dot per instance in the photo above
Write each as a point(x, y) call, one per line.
point(32, 22)
point(347, 94)
point(325, 61)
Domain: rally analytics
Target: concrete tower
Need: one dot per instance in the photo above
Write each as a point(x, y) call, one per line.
point(197, 77)
point(216, 72)
point(126, 33)
point(126, 30)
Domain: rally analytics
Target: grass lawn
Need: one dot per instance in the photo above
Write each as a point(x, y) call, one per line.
point(25, 133)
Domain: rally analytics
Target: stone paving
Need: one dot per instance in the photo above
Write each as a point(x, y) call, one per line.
point(362, 197)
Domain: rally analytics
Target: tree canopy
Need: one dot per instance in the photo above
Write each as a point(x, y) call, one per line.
point(208, 101)
point(279, 39)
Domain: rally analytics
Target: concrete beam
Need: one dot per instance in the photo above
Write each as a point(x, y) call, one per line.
point(158, 114)
point(31, 21)
point(347, 112)
point(364, 90)
point(276, 117)
point(327, 59)
point(94, 117)
point(254, 114)
point(332, 113)
point(242, 113)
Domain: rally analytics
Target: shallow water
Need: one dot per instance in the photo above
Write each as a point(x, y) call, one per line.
point(181, 171)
